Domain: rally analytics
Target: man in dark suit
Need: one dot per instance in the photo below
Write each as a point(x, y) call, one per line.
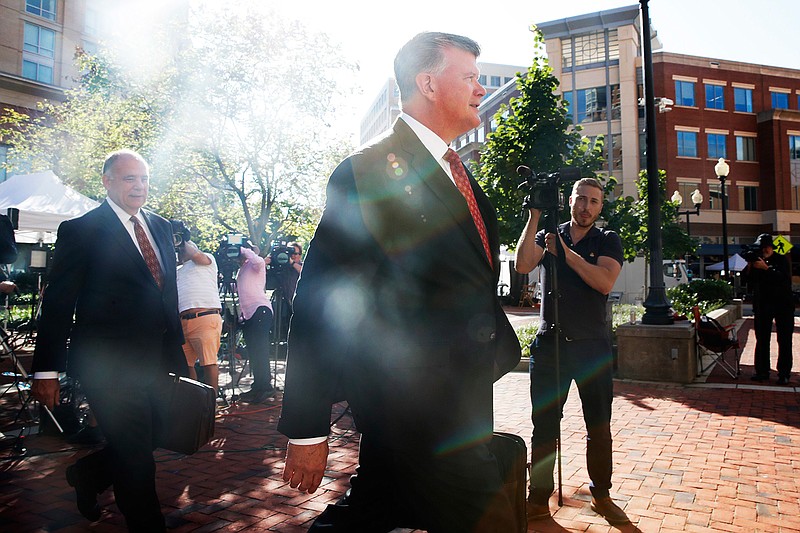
point(118, 280)
point(396, 313)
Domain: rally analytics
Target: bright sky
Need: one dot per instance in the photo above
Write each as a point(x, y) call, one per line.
point(371, 32)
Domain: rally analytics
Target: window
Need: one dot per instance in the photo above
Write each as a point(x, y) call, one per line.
point(715, 98)
point(3, 161)
point(716, 145)
point(687, 144)
point(482, 79)
point(743, 99)
point(592, 104)
point(780, 100)
point(684, 93)
point(715, 195)
point(794, 169)
point(590, 48)
point(507, 79)
point(38, 53)
point(495, 81)
point(748, 198)
point(745, 148)
point(42, 8)
point(616, 153)
point(686, 189)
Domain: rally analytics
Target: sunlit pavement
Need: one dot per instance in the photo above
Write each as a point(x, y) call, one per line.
point(686, 458)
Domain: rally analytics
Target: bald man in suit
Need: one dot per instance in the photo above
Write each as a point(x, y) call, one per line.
point(396, 313)
point(110, 317)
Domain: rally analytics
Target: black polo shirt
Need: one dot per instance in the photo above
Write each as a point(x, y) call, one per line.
point(581, 309)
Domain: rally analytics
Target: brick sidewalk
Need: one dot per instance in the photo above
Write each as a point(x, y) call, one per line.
point(686, 458)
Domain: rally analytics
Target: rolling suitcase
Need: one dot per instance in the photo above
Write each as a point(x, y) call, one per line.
point(512, 458)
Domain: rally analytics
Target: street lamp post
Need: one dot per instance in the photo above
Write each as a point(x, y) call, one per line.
point(656, 305)
point(697, 200)
point(722, 169)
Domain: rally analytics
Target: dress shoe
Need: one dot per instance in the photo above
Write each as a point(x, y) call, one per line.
point(783, 380)
point(86, 496)
point(537, 511)
point(609, 510)
point(257, 396)
point(759, 377)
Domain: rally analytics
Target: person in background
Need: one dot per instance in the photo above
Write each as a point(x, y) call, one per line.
point(110, 317)
point(771, 279)
point(256, 321)
point(588, 260)
point(199, 306)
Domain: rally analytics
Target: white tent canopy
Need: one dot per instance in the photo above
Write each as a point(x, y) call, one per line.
point(43, 202)
point(735, 262)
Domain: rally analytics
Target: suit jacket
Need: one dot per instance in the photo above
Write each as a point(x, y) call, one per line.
point(124, 326)
point(396, 308)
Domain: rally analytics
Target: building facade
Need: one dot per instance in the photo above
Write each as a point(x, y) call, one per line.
point(386, 106)
point(747, 114)
point(39, 40)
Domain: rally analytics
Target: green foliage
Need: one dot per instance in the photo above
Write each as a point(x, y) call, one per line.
point(236, 128)
point(628, 217)
point(526, 334)
point(706, 293)
point(533, 130)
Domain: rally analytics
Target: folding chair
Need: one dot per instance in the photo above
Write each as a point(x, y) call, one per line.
point(716, 340)
point(527, 295)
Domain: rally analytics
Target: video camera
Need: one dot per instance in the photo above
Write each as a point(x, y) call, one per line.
point(180, 233)
point(544, 188)
point(751, 252)
point(228, 252)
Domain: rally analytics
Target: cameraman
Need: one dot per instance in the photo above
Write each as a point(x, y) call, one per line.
point(588, 261)
point(256, 318)
point(199, 306)
point(292, 274)
point(771, 279)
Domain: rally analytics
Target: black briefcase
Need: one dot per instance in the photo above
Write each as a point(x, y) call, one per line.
point(512, 459)
point(185, 421)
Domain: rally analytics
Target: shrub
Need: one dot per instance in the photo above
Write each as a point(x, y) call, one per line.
point(706, 293)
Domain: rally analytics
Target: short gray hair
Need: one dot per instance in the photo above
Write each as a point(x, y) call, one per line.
point(424, 53)
point(114, 156)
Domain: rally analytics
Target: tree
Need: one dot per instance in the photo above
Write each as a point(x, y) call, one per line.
point(628, 217)
point(258, 95)
point(237, 128)
point(532, 130)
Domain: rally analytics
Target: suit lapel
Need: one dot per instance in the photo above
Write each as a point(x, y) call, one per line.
point(123, 239)
point(434, 177)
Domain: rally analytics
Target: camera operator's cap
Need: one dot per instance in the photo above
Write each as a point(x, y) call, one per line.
point(764, 240)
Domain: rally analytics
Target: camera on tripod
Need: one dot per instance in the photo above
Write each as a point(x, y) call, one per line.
point(544, 188)
point(180, 233)
point(228, 252)
point(280, 254)
point(751, 252)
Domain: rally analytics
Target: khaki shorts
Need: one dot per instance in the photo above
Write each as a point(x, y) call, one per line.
point(202, 336)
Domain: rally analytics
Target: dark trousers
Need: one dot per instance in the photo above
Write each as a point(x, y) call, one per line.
point(454, 493)
point(763, 316)
point(125, 414)
point(256, 337)
point(589, 363)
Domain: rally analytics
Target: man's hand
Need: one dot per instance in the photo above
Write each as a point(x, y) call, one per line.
point(46, 392)
point(760, 264)
point(550, 243)
point(305, 465)
point(7, 287)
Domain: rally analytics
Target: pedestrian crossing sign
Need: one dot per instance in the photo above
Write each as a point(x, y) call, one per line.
point(782, 245)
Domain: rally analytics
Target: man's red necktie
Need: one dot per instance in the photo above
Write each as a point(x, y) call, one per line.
point(148, 252)
point(462, 182)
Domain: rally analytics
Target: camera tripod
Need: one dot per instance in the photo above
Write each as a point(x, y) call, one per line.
point(231, 336)
point(552, 297)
